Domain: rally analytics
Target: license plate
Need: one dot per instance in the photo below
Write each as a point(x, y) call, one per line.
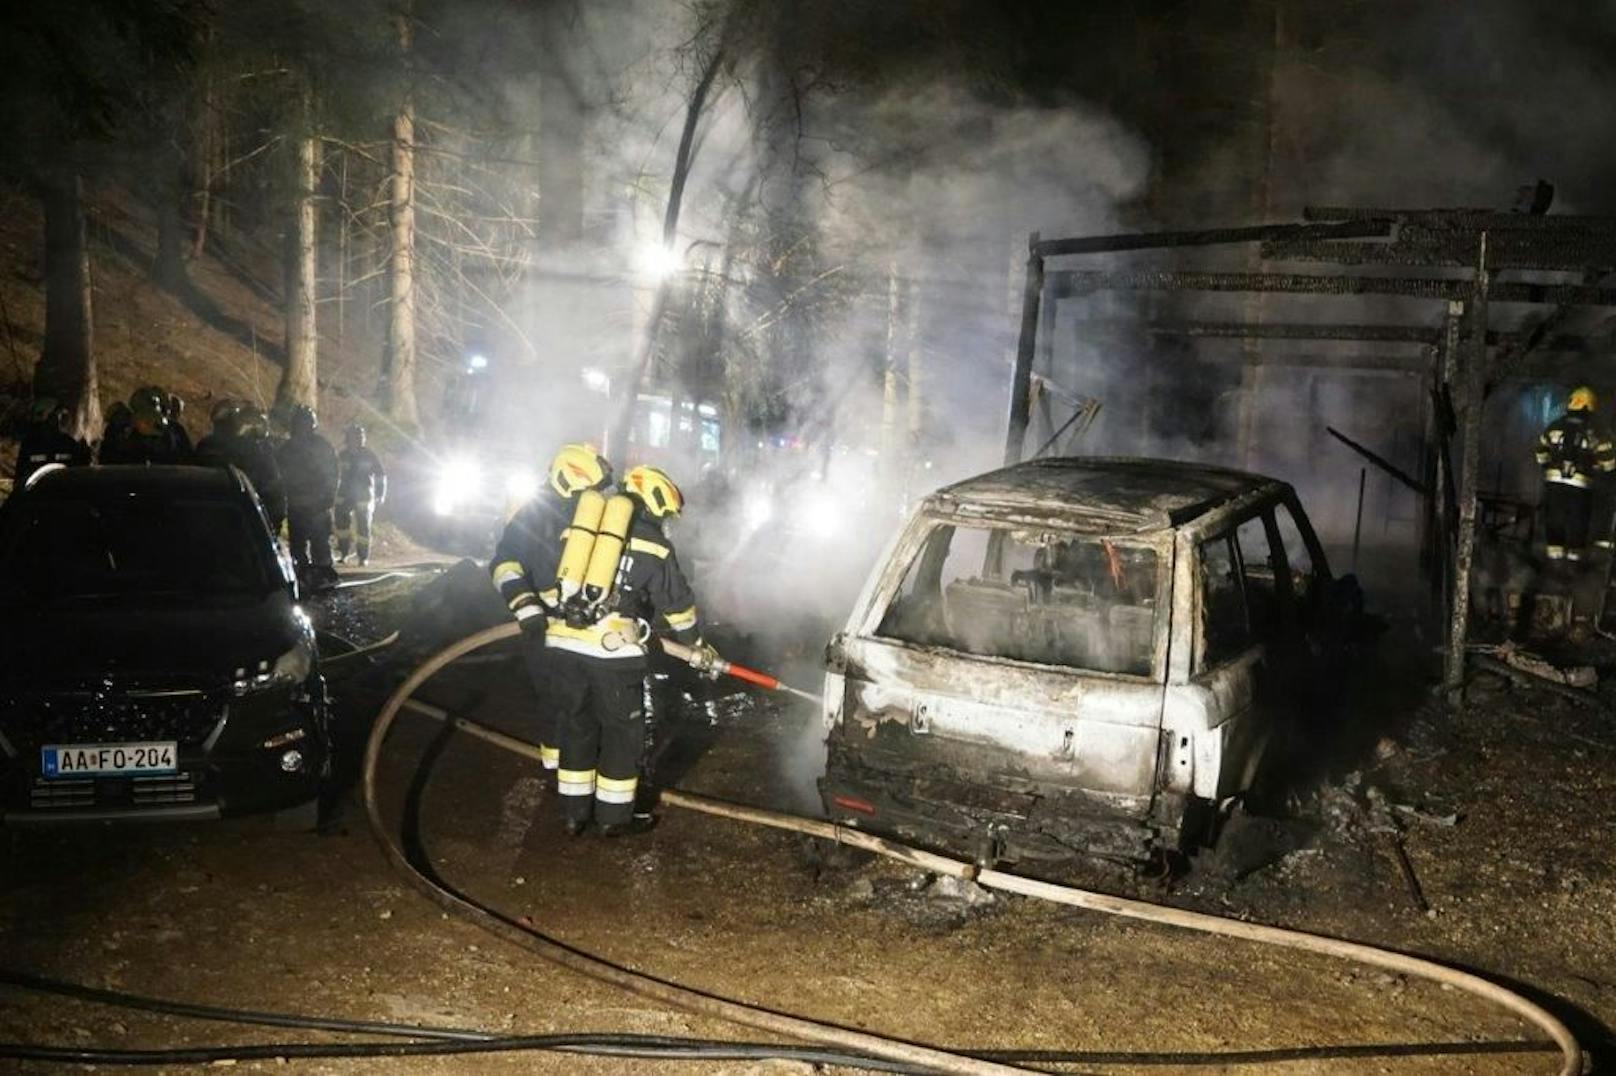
point(103, 759)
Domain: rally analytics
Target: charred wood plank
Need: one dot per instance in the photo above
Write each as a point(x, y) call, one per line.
point(1067, 283)
point(1380, 461)
point(1111, 244)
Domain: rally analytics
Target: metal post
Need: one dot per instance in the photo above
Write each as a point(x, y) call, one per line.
point(1021, 378)
point(1469, 468)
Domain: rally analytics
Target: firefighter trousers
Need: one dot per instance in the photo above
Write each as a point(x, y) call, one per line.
point(353, 527)
point(1567, 513)
point(309, 527)
point(536, 657)
point(599, 704)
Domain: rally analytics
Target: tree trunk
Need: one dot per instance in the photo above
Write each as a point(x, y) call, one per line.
point(916, 374)
point(629, 392)
point(891, 388)
point(299, 379)
point(66, 370)
point(397, 389)
point(561, 133)
point(168, 270)
point(204, 157)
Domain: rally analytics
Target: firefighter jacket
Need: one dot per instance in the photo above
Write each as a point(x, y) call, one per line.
point(46, 444)
point(363, 478)
point(308, 467)
point(529, 551)
point(125, 444)
point(651, 592)
point(255, 457)
point(1574, 449)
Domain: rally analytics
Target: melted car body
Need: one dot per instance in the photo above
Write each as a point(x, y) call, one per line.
point(1072, 656)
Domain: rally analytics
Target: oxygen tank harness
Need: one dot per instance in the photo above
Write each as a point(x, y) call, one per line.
point(592, 557)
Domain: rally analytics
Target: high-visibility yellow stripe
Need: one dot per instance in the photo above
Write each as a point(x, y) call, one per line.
point(525, 598)
point(605, 796)
point(575, 782)
point(645, 545)
point(617, 784)
point(684, 618)
point(507, 571)
point(549, 757)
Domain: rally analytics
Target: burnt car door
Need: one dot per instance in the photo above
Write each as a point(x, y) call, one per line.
point(1245, 654)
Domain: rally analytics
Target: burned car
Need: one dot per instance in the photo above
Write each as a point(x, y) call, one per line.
point(159, 666)
point(1074, 656)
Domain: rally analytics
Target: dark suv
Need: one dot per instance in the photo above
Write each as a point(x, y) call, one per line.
point(157, 664)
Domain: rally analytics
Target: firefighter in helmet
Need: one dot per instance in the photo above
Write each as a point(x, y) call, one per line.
point(1574, 451)
point(240, 438)
point(308, 467)
point(361, 488)
point(47, 441)
point(597, 640)
point(527, 560)
point(147, 437)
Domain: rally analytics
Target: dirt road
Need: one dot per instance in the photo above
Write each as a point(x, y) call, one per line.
point(238, 914)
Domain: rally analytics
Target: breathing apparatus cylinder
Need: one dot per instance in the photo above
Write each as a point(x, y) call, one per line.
point(608, 551)
point(578, 541)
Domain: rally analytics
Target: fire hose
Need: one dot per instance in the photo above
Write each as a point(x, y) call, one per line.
point(808, 1030)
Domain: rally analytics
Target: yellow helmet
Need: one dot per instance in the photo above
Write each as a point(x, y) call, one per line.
point(655, 490)
point(578, 467)
point(1582, 399)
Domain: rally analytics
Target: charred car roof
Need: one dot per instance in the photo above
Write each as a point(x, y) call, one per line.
point(98, 481)
point(1126, 493)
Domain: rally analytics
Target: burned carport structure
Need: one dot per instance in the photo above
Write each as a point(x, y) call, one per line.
point(1453, 257)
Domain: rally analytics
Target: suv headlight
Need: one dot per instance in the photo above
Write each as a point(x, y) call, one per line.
point(292, 667)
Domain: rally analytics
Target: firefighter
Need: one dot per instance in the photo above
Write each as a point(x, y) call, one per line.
point(146, 438)
point(47, 441)
point(308, 467)
point(1574, 451)
point(174, 411)
point(361, 489)
point(597, 644)
point(240, 438)
point(527, 560)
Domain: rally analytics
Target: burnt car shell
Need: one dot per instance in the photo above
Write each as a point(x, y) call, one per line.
point(211, 653)
point(1078, 655)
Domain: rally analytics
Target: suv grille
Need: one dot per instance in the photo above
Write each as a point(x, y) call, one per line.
point(31, 721)
point(165, 790)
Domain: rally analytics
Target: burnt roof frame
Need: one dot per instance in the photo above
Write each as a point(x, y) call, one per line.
point(1483, 241)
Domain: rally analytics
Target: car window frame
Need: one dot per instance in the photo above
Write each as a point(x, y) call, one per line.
point(1284, 591)
point(916, 539)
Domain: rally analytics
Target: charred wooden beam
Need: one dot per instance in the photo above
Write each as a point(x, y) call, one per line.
point(1066, 283)
point(1111, 244)
point(1381, 462)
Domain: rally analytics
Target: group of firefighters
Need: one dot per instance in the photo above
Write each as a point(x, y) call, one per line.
point(301, 480)
point(589, 577)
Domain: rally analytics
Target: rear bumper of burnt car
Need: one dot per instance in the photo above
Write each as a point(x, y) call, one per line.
point(979, 821)
point(229, 771)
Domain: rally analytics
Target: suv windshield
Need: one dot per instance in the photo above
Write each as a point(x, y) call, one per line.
point(1049, 597)
point(132, 544)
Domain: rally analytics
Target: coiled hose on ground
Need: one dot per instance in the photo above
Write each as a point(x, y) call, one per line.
point(845, 1038)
